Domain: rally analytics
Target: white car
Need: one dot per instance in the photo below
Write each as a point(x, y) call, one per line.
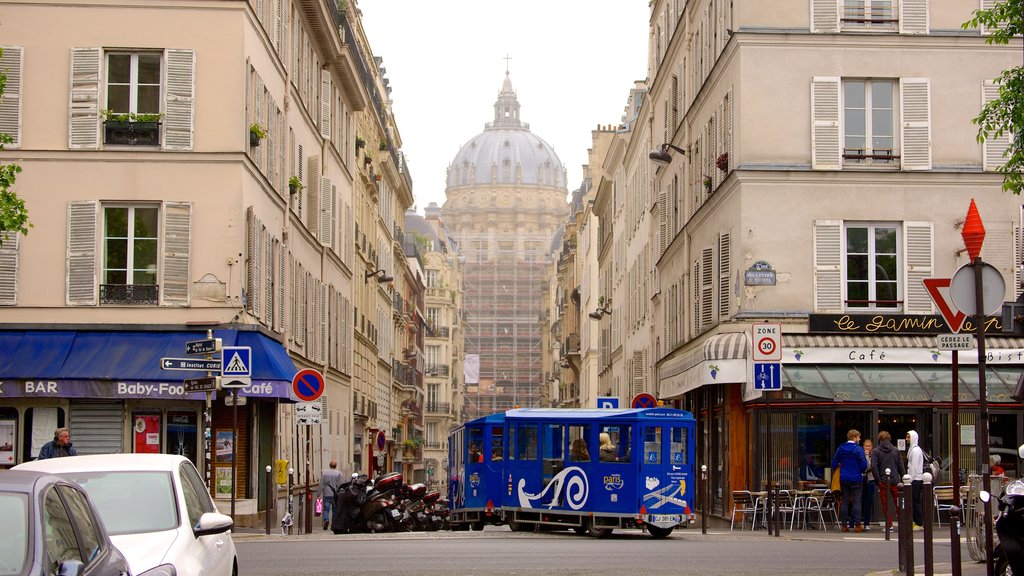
point(157, 510)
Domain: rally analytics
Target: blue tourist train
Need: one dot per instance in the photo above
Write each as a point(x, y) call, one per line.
point(590, 470)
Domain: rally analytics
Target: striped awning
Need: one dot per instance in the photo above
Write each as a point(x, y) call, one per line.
point(729, 346)
point(719, 359)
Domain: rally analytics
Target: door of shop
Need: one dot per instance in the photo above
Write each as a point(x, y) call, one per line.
point(898, 422)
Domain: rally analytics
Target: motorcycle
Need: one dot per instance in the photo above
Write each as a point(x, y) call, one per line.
point(362, 505)
point(1009, 552)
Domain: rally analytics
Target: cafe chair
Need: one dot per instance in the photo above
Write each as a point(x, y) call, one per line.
point(944, 501)
point(743, 503)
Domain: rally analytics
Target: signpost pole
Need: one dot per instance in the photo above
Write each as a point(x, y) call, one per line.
point(955, 426)
point(207, 427)
point(308, 508)
point(986, 474)
point(234, 446)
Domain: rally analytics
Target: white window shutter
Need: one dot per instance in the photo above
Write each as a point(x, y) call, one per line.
point(259, 274)
point(81, 254)
point(293, 308)
point(914, 17)
point(724, 275)
point(279, 319)
point(271, 142)
point(988, 5)
point(707, 275)
point(323, 322)
point(917, 250)
point(695, 298)
point(1018, 262)
point(250, 249)
point(11, 62)
point(326, 212)
point(313, 189)
point(825, 136)
point(916, 137)
point(268, 278)
point(177, 237)
point(84, 105)
point(325, 104)
point(179, 100)
point(334, 215)
point(825, 16)
point(9, 268)
point(993, 149)
point(828, 256)
point(259, 99)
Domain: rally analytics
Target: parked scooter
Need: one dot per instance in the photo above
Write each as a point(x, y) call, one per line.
point(361, 505)
point(1009, 552)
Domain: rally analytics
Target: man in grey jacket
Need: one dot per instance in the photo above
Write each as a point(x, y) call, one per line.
point(330, 483)
point(884, 457)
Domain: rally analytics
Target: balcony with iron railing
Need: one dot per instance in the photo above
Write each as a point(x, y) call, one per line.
point(437, 370)
point(438, 409)
point(129, 294)
point(438, 331)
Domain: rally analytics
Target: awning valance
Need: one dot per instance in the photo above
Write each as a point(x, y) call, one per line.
point(720, 359)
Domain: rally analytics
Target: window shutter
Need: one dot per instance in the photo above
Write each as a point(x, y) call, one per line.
point(250, 267)
point(825, 146)
point(993, 149)
point(293, 316)
point(177, 228)
point(313, 186)
point(724, 275)
point(279, 294)
point(81, 253)
point(84, 108)
point(259, 102)
point(917, 247)
point(179, 103)
point(282, 20)
point(1018, 261)
point(825, 16)
point(914, 17)
point(326, 212)
point(269, 274)
point(9, 268)
point(325, 104)
point(988, 5)
point(259, 274)
point(11, 62)
point(638, 373)
point(323, 323)
point(828, 287)
point(917, 128)
point(707, 275)
point(271, 142)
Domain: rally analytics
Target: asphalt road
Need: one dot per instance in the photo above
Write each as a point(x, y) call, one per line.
point(496, 550)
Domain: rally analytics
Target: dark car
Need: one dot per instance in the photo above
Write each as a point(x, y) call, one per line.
point(51, 527)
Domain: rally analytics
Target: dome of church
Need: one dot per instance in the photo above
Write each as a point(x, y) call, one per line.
point(506, 152)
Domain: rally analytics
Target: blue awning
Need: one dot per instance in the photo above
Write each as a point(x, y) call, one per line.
point(126, 364)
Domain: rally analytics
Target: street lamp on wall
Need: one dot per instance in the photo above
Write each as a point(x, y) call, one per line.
point(599, 313)
point(382, 276)
point(661, 156)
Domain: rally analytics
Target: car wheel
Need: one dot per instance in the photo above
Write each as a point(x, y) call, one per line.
point(657, 532)
point(598, 532)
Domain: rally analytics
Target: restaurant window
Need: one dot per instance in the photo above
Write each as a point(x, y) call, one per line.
point(872, 266)
point(814, 444)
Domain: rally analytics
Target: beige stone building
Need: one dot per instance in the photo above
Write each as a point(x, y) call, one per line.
point(157, 165)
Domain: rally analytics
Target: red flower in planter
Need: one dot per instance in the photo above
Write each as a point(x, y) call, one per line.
point(722, 163)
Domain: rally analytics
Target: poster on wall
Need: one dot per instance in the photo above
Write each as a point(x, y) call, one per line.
point(183, 434)
point(7, 428)
point(225, 446)
point(147, 433)
point(223, 481)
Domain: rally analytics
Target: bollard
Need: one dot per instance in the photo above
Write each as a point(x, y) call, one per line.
point(270, 499)
point(907, 526)
point(926, 496)
point(703, 499)
point(954, 539)
point(888, 510)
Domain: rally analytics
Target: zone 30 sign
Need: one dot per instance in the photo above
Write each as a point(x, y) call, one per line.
point(767, 341)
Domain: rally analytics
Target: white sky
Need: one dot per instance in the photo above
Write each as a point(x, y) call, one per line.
point(572, 65)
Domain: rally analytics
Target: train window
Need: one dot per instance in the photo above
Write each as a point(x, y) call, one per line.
point(578, 449)
point(652, 445)
point(526, 447)
point(511, 442)
point(678, 448)
point(497, 444)
point(615, 443)
point(553, 439)
point(475, 440)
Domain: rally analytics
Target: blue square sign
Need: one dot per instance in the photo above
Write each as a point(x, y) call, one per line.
point(236, 361)
point(767, 376)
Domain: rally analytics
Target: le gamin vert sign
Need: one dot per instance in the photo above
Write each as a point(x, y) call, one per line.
point(897, 324)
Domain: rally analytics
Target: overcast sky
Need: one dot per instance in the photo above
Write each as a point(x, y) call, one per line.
point(572, 64)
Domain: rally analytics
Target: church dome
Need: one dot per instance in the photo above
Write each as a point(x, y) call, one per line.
point(506, 152)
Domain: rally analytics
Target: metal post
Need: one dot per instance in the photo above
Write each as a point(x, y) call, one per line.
point(955, 426)
point(703, 499)
point(291, 521)
point(986, 473)
point(929, 508)
point(234, 447)
point(888, 511)
point(307, 510)
point(270, 500)
point(207, 428)
point(907, 526)
point(769, 511)
point(954, 539)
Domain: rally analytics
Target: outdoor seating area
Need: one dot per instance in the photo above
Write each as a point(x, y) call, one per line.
point(805, 509)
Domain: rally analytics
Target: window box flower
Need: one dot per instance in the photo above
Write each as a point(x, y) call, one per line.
point(131, 129)
point(722, 163)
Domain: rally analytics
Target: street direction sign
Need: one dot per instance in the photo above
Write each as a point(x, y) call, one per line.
point(207, 384)
point(308, 413)
point(208, 346)
point(308, 385)
point(767, 340)
point(190, 364)
point(607, 402)
point(644, 400)
point(235, 382)
point(236, 361)
point(954, 341)
point(767, 376)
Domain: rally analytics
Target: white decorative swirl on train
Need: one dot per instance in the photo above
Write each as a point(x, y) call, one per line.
point(572, 480)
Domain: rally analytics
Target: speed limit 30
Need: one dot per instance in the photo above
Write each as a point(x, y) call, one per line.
point(767, 341)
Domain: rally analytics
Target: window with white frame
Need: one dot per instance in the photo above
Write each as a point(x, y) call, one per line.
point(872, 265)
point(433, 314)
point(430, 278)
point(132, 112)
point(869, 121)
point(130, 251)
point(869, 14)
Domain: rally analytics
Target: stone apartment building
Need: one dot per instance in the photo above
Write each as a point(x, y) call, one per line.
point(191, 167)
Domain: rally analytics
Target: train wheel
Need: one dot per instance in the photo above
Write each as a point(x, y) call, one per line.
point(579, 529)
point(514, 524)
point(658, 532)
point(598, 532)
point(477, 526)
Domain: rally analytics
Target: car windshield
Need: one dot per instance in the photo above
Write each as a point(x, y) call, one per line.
point(131, 502)
point(14, 531)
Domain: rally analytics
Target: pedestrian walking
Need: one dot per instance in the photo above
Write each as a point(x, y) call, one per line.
point(851, 462)
point(915, 467)
point(59, 447)
point(867, 503)
point(887, 457)
point(330, 484)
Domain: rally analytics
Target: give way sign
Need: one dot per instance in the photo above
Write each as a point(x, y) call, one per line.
point(938, 288)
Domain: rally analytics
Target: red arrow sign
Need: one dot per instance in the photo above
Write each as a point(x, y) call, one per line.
point(954, 318)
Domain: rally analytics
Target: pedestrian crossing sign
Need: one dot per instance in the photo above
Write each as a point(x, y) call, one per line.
point(236, 361)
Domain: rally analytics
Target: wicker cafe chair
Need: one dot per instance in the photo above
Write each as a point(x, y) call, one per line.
point(743, 503)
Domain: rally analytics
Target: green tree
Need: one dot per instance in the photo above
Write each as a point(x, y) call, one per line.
point(13, 215)
point(1005, 114)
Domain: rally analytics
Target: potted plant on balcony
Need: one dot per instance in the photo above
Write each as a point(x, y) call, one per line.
point(707, 183)
point(722, 163)
point(383, 145)
point(294, 185)
point(131, 128)
point(256, 133)
point(360, 142)
point(367, 159)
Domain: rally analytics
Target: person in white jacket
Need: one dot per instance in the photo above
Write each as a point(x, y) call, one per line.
point(915, 468)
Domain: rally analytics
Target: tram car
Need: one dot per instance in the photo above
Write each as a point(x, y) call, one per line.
point(589, 470)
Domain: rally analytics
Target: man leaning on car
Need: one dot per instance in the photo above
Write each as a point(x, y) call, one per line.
point(59, 447)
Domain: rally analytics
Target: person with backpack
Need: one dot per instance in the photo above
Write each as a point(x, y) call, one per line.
point(886, 457)
point(915, 468)
point(852, 464)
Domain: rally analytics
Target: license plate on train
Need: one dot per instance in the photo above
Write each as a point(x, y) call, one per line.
point(674, 518)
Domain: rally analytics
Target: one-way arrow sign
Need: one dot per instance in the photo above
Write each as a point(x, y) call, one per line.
point(189, 364)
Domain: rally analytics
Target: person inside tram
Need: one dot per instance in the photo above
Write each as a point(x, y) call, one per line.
point(607, 449)
point(474, 453)
point(578, 452)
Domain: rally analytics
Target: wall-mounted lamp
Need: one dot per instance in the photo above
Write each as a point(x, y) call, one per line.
point(661, 156)
point(599, 313)
point(564, 363)
point(382, 276)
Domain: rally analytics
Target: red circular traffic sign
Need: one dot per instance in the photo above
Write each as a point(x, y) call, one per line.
point(308, 385)
point(381, 440)
point(644, 400)
point(766, 345)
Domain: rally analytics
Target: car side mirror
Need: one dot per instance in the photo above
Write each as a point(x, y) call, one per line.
point(70, 568)
point(213, 523)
